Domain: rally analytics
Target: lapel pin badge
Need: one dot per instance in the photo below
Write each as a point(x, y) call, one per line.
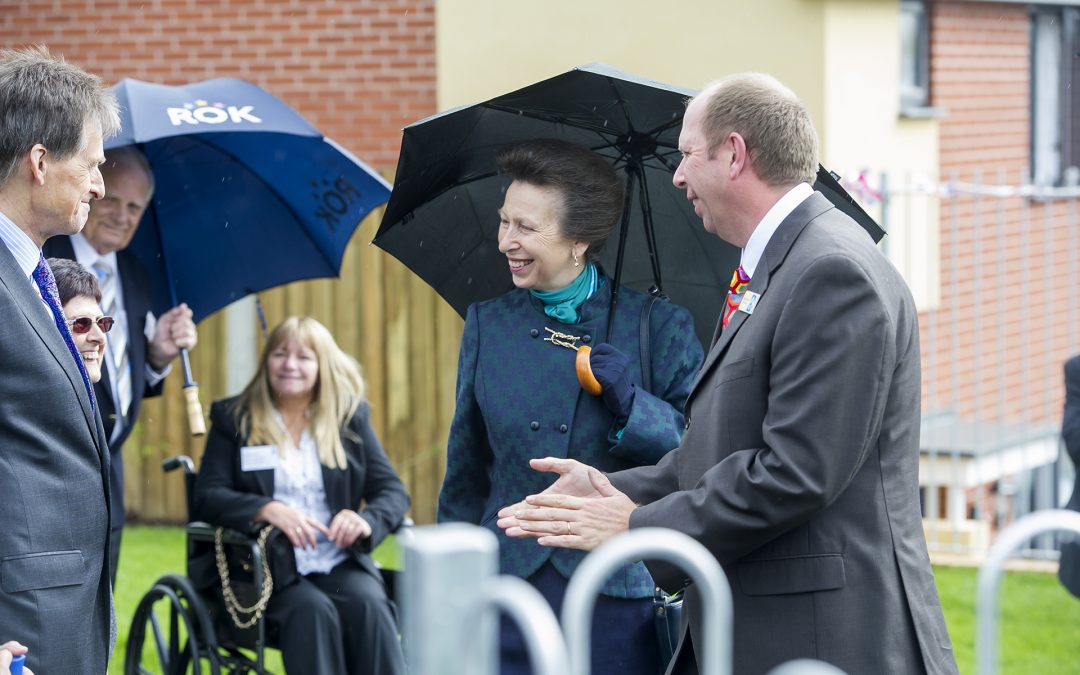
point(749, 302)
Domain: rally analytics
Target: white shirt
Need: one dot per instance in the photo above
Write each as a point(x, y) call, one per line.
point(759, 239)
point(24, 250)
point(22, 247)
point(298, 482)
point(87, 256)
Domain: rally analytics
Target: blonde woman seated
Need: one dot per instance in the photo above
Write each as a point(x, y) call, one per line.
point(296, 451)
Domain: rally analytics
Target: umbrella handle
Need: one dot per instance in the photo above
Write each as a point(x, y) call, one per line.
point(585, 375)
point(196, 421)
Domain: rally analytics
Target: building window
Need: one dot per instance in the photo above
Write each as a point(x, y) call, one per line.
point(914, 55)
point(1055, 101)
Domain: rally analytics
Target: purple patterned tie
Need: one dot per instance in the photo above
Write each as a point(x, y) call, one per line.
point(46, 284)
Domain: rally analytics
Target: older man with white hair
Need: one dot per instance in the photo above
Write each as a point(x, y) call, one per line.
point(141, 346)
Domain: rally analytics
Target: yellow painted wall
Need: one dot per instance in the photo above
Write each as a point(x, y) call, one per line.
point(864, 129)
point(488, 47)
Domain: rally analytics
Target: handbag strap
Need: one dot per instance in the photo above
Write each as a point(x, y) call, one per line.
point(643, 343)
point(232, 603)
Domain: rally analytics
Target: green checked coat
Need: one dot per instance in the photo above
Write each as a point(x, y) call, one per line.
point(518, 397)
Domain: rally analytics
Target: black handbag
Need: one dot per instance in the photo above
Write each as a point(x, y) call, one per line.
point(667, 610)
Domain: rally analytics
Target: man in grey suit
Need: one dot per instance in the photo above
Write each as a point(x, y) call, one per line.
point(54, 459)
point(798, 468)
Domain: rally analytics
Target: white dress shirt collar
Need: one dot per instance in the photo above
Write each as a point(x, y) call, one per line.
point(86, 255)
point(759, 239)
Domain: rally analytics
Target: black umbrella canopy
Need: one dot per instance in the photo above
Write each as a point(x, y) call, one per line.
point(442, 222)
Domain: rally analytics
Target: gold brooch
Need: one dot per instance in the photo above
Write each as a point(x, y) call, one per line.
point(562, 339)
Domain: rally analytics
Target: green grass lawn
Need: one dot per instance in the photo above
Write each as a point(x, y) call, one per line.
point(1039, 621)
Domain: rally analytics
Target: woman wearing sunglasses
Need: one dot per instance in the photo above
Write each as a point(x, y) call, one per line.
point(80, 298)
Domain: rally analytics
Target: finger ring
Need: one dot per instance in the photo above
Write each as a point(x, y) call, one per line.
point(568, 530)
point(298, 528)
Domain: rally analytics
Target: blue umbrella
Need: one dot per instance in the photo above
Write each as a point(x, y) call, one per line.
point(248, 195)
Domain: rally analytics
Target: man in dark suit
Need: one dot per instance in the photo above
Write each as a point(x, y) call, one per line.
point(54, 459)
point(140, 348)
point(1069, 571)
point(798, 469)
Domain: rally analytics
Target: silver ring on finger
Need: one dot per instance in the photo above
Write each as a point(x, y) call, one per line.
point(568, 530)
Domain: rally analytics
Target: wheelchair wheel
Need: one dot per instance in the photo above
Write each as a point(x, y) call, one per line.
point(171, 632)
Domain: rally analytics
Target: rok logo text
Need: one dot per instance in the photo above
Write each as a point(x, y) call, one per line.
point(204, 112)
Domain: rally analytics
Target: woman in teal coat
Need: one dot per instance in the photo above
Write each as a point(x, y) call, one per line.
point(518, 395)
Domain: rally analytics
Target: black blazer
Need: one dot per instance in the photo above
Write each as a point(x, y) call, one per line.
point(135, 286)
point(225, 495)
point(1070, 431)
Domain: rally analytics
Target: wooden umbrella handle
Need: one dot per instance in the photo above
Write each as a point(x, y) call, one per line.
point(584, 372)
point(196, 421)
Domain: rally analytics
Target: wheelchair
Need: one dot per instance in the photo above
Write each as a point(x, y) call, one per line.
point(181, 624)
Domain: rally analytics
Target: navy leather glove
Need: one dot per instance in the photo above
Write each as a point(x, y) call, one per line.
point(612, 370)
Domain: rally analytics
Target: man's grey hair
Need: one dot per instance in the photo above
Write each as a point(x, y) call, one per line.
point(780, 138)
point(127, 157)
point(44, 99)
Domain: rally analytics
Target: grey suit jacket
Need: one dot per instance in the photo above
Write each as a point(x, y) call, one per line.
point(54, 489)
point(798, 468)
point(1070, 432)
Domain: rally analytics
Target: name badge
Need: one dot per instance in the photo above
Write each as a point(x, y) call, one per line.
point(749, 302)
point(258, 457)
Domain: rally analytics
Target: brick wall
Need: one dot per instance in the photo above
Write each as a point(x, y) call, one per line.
point(1008, 315)
point(358, 70)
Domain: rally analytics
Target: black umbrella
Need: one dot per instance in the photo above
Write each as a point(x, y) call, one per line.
point(442, 221)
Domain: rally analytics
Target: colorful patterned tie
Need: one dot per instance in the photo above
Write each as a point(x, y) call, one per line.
point(739, 282)
point(46, 284)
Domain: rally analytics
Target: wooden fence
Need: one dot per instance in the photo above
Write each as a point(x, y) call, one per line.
point(405, 337)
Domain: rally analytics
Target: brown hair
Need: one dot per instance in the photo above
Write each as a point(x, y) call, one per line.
point(590, 190)
point(73, 280)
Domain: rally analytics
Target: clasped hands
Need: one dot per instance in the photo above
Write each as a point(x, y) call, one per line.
point(301, 530)
point(581, 509)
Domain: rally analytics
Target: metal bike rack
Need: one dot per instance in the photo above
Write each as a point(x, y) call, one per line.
point(449, 595)
point(533, 615)
point(986, 595)
point(445, 567)
point(806, 667)
point(650, 543)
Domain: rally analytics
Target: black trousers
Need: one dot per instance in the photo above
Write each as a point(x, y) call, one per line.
point(341, 622)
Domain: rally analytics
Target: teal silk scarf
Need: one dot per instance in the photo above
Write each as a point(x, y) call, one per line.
point(563, 304)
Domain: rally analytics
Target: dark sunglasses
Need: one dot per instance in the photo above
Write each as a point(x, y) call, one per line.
point(83, 324)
